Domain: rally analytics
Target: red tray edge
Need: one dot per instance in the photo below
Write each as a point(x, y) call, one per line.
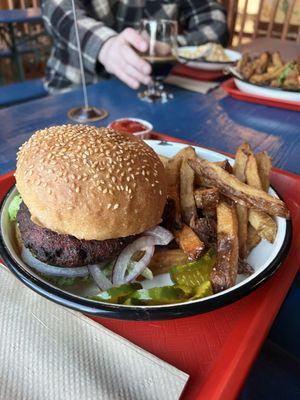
point(230, 88)
point(197, 74)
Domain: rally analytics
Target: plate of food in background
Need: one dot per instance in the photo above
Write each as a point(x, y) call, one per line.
point(209, 57)
point(111, 225)
point(268, 75)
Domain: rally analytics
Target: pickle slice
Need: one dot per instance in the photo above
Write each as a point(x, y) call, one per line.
point(204, 290)
point(193, 274)
point(159, 295)
point(117, 294)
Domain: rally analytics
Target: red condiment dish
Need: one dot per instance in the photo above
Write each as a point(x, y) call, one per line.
point(135, 126)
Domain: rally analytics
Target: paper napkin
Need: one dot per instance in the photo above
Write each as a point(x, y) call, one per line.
point(48, 352)
point(191, 84)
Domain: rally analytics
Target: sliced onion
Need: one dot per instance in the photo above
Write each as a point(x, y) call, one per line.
point(162, 236)
point(144, 243)
point(51, 270)
point(99, 277)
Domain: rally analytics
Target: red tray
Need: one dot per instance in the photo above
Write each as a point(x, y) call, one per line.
point(218, 348)
point(194, 73)
point(230, 87)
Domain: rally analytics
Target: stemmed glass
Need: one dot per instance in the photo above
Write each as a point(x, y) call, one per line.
point(161, 53)
point(84, 113)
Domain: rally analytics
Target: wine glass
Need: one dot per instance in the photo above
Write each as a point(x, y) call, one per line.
point(84, 113)
point(161, 36)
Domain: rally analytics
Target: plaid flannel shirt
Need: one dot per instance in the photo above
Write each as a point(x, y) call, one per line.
point(98, 20)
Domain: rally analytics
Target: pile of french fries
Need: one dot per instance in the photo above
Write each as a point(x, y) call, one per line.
point(215, 204)
point(269, 69)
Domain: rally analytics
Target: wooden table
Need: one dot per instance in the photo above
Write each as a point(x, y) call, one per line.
point(288, 49)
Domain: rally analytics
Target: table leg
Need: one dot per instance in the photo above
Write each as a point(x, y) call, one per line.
point(15, 54)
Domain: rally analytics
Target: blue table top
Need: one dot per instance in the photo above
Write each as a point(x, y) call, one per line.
point(20, 15)
point(214, 120)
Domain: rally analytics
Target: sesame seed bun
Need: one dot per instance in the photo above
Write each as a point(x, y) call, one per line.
point(92, 183)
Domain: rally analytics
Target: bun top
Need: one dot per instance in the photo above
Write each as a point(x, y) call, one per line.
point(89, 182)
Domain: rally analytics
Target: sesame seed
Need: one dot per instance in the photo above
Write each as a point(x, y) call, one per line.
point(116, 206)
point(109, 206)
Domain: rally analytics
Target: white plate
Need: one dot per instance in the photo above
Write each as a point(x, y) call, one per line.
point(273, 93)
point(208, 65)
point(265, 259)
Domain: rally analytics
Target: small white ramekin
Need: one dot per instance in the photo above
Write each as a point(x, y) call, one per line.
point(145, 134)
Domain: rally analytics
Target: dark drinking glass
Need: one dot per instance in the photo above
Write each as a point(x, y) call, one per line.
point(161, 54)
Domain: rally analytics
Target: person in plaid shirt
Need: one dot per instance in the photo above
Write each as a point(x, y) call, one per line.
point(109, 39)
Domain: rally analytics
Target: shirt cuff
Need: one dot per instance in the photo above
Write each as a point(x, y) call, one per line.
point(93, 45)
point(181, 40)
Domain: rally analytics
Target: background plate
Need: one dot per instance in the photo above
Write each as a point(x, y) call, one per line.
point(209, 65)
point(273, 93)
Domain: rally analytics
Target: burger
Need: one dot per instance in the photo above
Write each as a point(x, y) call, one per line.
point(87, 194)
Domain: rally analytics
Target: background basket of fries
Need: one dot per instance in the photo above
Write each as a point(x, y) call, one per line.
point(268, 75)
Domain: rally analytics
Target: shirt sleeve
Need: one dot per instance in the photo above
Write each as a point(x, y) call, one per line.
point(59, 22)
point(202, 21)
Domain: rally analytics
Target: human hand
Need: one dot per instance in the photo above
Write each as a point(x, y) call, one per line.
point(119, 58)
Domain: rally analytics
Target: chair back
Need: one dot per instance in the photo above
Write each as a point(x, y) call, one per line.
point(22, 4)
point(263, 18)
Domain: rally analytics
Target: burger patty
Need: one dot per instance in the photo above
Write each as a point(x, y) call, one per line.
point(65, 250)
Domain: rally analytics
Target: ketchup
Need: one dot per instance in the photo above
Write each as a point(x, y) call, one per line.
point(128, 126)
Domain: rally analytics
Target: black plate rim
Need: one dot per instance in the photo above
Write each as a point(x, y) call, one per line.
point(141, 313)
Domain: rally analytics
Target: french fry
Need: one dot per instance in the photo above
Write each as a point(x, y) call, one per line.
point(206, 198)
point(264, 224)
point(225, 164)
point(239, 170)
point(241, 158)
point(172, 169)
point(189, 242)
point(244, 268)
point(253, 238)
point(205, 228)
point(244, 194)
point(251, 172)
point(264, 165)
point(201, 181)
point(242, 216)
point(267, 76)
point(163, 260)
point(224, 273)
point(163, 159)
point(187, 174)
point(276, 59)
point(262, 62)
point(184, 152)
